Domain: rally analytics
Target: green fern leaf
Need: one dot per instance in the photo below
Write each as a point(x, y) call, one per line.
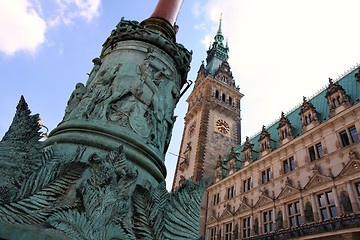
point(74, 224)
point(182, 218)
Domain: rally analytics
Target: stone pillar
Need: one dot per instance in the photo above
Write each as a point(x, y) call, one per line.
point(315, 207)
point(302, 211)
point(337, 202)
point(285, 216)
point(353, 199)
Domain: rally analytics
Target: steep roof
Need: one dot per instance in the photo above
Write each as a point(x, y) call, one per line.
point(352, 87)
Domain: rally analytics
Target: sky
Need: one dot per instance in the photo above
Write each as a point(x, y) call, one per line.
point(280, 51)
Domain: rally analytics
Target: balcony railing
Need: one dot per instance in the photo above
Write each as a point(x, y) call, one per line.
point(329, 225)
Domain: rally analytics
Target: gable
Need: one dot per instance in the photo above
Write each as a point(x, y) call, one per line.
point(212, 219)
point(316, 180)
point(287, 192)
point(243, 208)
point(263, 200)
point(226, 214)
point(352, 166)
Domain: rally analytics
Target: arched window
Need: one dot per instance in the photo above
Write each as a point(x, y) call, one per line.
point(223, 97)
point(335, 104)
point(217, 94)
point(230, 100)
point(339, 100)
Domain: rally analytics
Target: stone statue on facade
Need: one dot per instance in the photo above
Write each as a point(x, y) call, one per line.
point(279, 220)
point(309, 214)
point(345, 203)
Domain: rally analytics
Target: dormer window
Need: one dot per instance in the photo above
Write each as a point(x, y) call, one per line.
point(308, 115)
point(337, 98)
point(264, 141)
point(219, 169)
point(247, 152)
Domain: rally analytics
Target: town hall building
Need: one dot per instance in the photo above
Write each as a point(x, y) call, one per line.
point(299, 178)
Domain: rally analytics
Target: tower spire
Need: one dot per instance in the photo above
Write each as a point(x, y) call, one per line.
point(219, 38)
point(218, 53)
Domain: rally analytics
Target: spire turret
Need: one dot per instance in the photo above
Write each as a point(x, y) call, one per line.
point(219, 38)
point(218, 53)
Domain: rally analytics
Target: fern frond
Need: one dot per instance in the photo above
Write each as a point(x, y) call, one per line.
point(74, 224)
point(35, 208)
point(182, 218)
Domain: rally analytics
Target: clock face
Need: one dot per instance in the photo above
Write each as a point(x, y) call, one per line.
point(192, 127)
point(222, 126)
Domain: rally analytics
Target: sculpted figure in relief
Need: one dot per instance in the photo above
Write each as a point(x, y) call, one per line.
point(97, 65)
point(97, 92)
point(74, 100)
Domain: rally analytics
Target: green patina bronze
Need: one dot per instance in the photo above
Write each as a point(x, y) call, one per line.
point(100, 174)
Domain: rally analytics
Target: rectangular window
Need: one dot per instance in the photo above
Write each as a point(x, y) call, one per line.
point(286, 166)
point(327, 205)
point(344, 138)
point(289, 165)
point(213, 233)
point(294, 214)
point(230, 192)
point(247, 185)
point(266, 175)
point(353, 134)
point(312, 153)
point(268, 221)
point(228, 231)
point(246, 227)
point(216, 198)
point(319, 150)
point(292, 164)
point(357, 185)
point(316, 152)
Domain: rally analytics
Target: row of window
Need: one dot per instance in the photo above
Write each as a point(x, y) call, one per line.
point(223, 97)
point(327, 209)
point(347, 136)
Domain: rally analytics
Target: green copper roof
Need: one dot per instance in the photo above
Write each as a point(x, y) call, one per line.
point(348, 82)
point(218, 53)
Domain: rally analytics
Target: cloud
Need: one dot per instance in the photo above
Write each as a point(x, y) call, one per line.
point(200, 26)
point(21, 27)
point(196, 9)
point(206, 41)
point(24, 22)
point(68, 10)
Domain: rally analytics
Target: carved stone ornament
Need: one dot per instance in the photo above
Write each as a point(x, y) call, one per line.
point(201, 75)
point(132, 30)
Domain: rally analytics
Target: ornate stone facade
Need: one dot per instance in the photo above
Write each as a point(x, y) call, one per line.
point(304, 185)
point(212, 122)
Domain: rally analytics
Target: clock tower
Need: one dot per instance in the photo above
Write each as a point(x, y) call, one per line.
point(212, 122)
